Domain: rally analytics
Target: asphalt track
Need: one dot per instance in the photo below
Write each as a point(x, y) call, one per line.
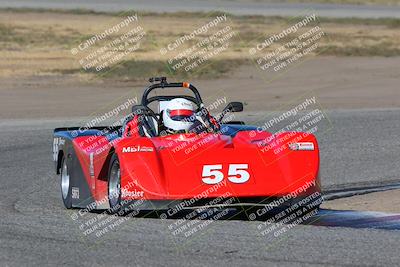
point(361, 149)
point(238, 7)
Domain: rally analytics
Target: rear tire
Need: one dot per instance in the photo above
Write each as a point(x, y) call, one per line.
point(114, 184)
point(65, 184)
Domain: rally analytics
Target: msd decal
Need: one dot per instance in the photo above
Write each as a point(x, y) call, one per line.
point(133, 149)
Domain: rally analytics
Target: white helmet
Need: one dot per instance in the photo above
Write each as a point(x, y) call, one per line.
point(178, 114)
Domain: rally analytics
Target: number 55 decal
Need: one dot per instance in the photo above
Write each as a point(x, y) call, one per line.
point(237, 173)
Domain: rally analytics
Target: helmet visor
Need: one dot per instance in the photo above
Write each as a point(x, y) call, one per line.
point(181, 114)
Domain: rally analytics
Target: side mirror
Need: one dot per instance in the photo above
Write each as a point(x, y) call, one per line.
point(234, 107)
point(231, 107)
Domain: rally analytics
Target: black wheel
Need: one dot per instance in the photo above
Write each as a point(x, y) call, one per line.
point(65, 184)
point(114, 184)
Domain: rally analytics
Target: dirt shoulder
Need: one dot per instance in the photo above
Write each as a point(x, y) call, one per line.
point(338, 83)
point(387, 201)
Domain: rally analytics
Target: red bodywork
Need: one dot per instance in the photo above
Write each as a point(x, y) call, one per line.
point(172, 167)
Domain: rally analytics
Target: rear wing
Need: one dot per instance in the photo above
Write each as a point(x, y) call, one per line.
point(84, 128)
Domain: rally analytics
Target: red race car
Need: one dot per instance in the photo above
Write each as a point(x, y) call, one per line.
point(177, 156)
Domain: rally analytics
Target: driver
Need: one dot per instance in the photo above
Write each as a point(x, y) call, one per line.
point(178, 116)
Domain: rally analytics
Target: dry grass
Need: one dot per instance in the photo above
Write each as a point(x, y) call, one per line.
point(39, 41)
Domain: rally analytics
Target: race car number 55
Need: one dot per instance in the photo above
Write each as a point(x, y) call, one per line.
point(237, 173)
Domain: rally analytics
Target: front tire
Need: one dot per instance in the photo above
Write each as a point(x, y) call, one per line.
point(65, 184)
point(114, 184)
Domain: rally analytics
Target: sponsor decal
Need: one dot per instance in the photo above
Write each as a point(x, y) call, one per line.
point(302, 146)
point(75, 192)
point(57, 142)
point(134, 193)
point(133, 149)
